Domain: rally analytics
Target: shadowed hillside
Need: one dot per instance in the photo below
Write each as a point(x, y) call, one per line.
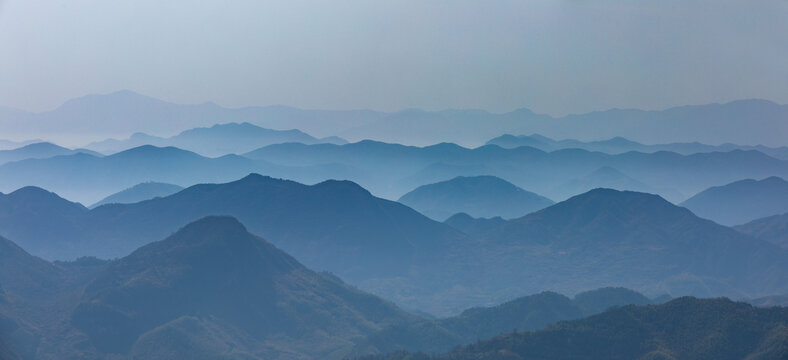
point(685, 328)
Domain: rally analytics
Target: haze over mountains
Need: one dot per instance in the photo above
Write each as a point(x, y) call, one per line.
point(619, 145)
point(140, 192)
point(532, 312)
point(119, 114)
point(217, 140)
point(741, 201)
point(773, 229)
point(39, 150)
point(391, 170)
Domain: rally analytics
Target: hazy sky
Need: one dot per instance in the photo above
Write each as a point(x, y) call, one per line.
point(556, 56)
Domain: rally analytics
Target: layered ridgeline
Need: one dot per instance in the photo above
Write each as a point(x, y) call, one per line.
point(773, 229)
point(478, 196)
point(39, 150)
point(741, 201)
point(140, 192)
point(335, 225)
point(210, 290)
point(527, 313)
point(598, 239)
point(121, 113)
point(88, 178)
point(217, 140)
point(619, 145)
point(391, 170)
point(640, 241)
point(685, 328)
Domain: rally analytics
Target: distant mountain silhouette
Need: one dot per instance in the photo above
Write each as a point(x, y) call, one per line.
point(474, 226)
point(142, 191)
point(741, 201)
point(10, 145)
point(39, 150)
point(478, 196)
point(122, 113)
point(217, 140)
point(89, 178)
point(618, 145)
point(526, 313)
point(213, 276)
point(685, 328)
point(773, 229)
point(770, 301)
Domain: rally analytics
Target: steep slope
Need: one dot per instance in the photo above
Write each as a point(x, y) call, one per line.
point(526, 313)
point(685, 328)
point(773, 229)
point(478, 196)
point(741, 201)
point(143, 191)
point(213, 277)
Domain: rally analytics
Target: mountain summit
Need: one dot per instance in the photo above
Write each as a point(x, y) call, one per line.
point(214, 277)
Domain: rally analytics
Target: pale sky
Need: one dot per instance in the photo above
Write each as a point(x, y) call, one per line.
point(552, 56)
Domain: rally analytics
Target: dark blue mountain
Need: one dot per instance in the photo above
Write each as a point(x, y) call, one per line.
point(478, 196)
point(685, 328)
point(214, 278)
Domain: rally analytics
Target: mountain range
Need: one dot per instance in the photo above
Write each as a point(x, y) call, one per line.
point(629, 239)
point(618, 145)
point(122, 113)
point(335, 226)
point(478, 196)
point(391, 170)
point(635, 240)
point(741, 201)
point(217, 140)
point(685, 328)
